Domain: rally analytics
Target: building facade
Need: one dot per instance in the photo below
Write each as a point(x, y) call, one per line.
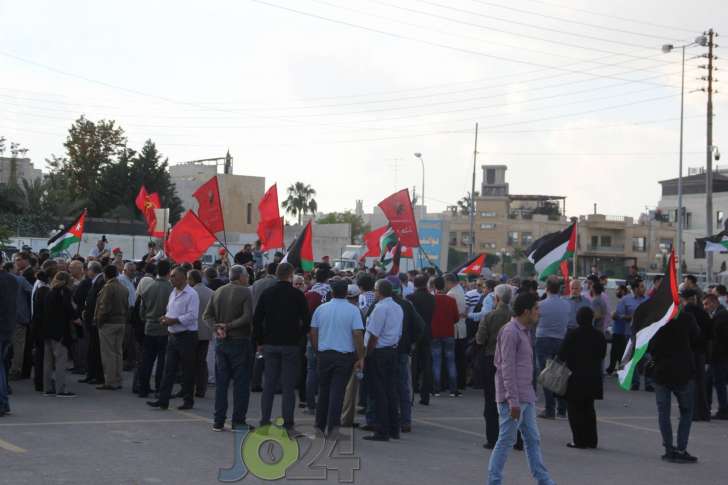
point(13, 169)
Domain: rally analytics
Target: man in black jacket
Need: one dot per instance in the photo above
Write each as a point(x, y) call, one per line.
point(719, 355)
point(94, 368)
point(674, 373)
point(280, 321)
point(424, 303)
point(8, 301)
point(701, 411)
point(412, 328)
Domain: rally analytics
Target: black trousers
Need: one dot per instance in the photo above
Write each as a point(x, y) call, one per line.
point(701, 410)
point(334, 371)
point(38, 351)
point(202, 373)
point(619, 344)
point(94, 367)
point(383, 385)
point(583, 421)
point(461, 362)
point(258, 369)
point(153, 348)
point(422, 370)
point(181, 352)
point(490, 411)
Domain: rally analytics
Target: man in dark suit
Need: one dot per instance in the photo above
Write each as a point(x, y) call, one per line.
point(94, 369)
point(424, 304)
point(701, 411)
point(718, 368)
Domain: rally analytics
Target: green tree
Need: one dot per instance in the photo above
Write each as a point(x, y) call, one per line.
point(58, 201)
point(149, 169)
point(300, 200)
point(33, 195)
point(358, 226)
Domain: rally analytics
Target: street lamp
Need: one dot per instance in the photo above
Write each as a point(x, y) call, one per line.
point(667, 48)
point(422, 162)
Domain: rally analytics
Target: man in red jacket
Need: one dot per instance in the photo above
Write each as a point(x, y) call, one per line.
point(444, 318)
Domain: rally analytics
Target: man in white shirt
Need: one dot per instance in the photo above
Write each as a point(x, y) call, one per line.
point(181, 321)
point(99, 251)
point(455, 291)
point(383, 330)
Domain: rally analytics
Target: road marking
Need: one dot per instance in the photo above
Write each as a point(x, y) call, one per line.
point(450, 428)
point(617, 423)
point(119, 421)
point(11, 447)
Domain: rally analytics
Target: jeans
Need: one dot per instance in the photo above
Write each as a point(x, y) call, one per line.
point(440, 346)
point(684, 395)
point(639, 371)
point(720, 380)
point(507, 438)
point(153, 348)
point(4, 351)
point(181, 349)
point(405, 390)
point(312, 380)
point(281, 366)
point(334, 370)
point(547, 348)
point(233, 361)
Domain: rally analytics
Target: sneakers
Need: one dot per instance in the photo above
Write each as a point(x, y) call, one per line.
point(720, 415)
point(218, 427)
point(66, 394)
point(545, 415)
point(676, 456)
point(49, 394)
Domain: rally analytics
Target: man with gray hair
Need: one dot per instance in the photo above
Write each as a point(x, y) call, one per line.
point(230, 314)
point(487, 337)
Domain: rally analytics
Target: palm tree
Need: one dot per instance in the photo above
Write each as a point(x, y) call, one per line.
point(34, 192)
point(300, 200)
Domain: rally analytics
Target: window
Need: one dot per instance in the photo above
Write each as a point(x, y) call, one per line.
point(487, 245)
point(490, 176)
point(487, 225)
point(464, 238)
point(607, 241)
point(250, 213)
point(595, 241)
point(487, 214)
point(526, 238)
point(513, 239)
point(665, 245)
point(639, 244)
point(453, 239)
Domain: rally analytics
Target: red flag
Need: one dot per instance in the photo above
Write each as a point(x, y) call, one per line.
point(209, 207)
point(398, 209)
point(270, 233)
point(146, 203)
point(268, 206)
point(189, 239)
point(565, 273)
point(371, 240)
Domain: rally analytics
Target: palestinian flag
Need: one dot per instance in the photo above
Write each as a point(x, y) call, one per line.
point(391, 259)
point(648, 318)
point(714, 244)
point(548, 252)
point(300, 252)
point(71, 235)
point(474, 267)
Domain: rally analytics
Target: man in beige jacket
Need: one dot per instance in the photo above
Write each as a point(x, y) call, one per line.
point(112, 312)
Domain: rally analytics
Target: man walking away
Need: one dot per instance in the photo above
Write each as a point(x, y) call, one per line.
point(204, 332)
point(112, 313)
point(183, 310)
point(515, 394)
point(455, 291)
point(424, 303)
point(701, 411)
point(444, 320)
point(412, 328)
point(8, 302)
point(336, 333)
point(280, 320)
point(487, 336)
point(230, 313)
point(719, 358)
point(94, 369)
point(383, 331)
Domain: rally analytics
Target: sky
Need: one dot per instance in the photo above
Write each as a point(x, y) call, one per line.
point(575, 97)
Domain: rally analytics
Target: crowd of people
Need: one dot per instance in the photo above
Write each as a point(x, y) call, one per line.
point(352, 346)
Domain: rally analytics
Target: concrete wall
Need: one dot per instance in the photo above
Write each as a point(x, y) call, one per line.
point(328, 239)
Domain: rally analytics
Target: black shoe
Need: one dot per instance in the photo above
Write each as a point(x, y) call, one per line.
point(720, 415)
point(488, 446)
point(301, 404)
point(143, 395)
point(406, 428)
point(562, 415)
point(157, 404)
point(649, 388)
point(85, 380)
point(424, 403)
point(394, 436)
point(669, 456)
point(545, 415)
point(185, 406)
point(104, 387)
point(66, 394)
point(376, 437)
point(683, 457)
point(243, 425)
point(199, 395)
point(518, 446)
point(256, 389)
point(368, 427)
point(218, 427)
point(572, 445)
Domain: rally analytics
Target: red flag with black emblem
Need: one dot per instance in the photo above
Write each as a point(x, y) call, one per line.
point(209, 208)
point(398, 209)
point(270, 233)
point(189, 239)
point(146, 203)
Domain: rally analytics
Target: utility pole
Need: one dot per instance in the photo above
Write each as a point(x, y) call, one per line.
point(709, 157)
point(472, 198)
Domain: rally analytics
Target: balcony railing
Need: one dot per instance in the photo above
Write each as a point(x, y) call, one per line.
point(614, 248)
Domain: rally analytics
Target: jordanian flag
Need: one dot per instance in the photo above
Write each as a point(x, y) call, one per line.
point(71, 235)
point(471, 268)
point(548, 252)
point(648, 318)
point(714, 244)
point(390, 251)
point(300, 253)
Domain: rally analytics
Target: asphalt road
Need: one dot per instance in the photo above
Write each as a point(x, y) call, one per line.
point(105, 437)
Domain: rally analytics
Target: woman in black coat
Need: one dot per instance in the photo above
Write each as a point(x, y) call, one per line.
point(59, 317)
point(583, 351)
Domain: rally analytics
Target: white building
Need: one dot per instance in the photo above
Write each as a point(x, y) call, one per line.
point(18, 168)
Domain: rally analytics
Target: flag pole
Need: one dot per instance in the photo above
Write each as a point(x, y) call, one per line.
point(224, 232)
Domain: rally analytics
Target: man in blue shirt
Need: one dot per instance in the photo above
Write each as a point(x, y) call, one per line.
point(336, 332)
point(576, 301)
point(620, 333)
point(625, 311)
point(383, 331)
point(550, 332)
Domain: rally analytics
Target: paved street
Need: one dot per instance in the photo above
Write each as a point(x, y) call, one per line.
point(114, 438)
